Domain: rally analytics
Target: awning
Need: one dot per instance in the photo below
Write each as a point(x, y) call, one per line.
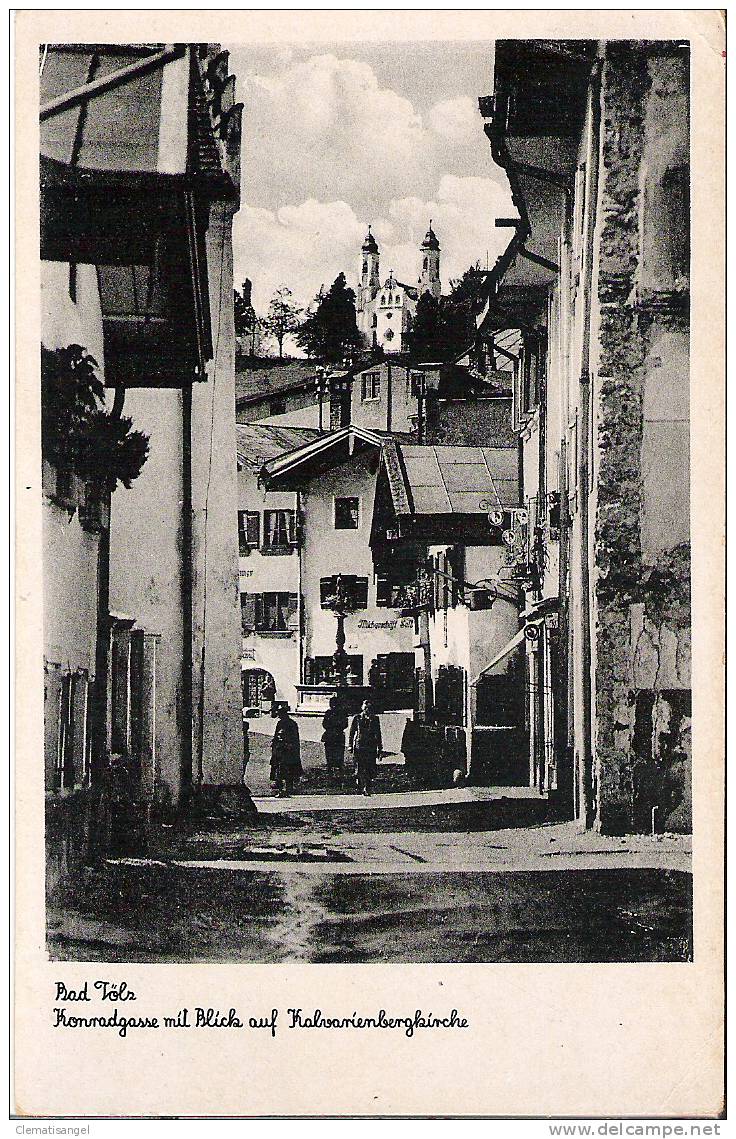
point(509, 648)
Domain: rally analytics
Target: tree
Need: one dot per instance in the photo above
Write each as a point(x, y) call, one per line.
point(246, 321)
point(283, 317)
point(330, 331)
point(443, 328)
point(424, 339)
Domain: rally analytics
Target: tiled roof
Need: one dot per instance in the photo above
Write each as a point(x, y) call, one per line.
point(259, 442)
point(460, 480)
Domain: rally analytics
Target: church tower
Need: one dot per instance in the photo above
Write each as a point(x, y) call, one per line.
point(368, 289)
point(369, 282)
point(429, 278)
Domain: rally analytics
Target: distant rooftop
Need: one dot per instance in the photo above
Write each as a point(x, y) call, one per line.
point(259, 379)
point(259, 442)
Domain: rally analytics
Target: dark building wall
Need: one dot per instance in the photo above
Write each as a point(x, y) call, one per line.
point(470, 422)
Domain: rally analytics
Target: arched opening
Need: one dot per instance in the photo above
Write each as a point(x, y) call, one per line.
point(257, 684)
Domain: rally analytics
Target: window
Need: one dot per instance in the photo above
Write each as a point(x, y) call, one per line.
point(365, 268)
point(278, 612)
point(355, 588)
point(374, 321)
point(249, 530)
point(393, 586)
point(528, 376)
point(269, 612)
point(426, 262)
point(370, 385)
point(347, 513)
point(413, 385)
point(383, 300)
point(71, 754)
point(393, 675)
point(449, 695)
point(390, 334)
point(320, 670)
point(278, 529)
point(277, 405)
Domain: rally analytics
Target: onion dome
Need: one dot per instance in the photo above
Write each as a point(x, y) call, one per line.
point(430, 241)
point(369, 245)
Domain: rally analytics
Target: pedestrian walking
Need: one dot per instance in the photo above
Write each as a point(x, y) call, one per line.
point(334, 723)
point(366, 746)
point(286, 763)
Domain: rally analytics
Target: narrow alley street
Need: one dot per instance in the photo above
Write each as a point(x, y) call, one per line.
point(459, 874)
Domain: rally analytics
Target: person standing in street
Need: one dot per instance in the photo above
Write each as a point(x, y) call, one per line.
point(286, 764)
point(366, 746)
point(334, 723)
point(246, 745)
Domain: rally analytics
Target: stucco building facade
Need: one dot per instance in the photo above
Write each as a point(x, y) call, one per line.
point(592, 295)
point(141, 617)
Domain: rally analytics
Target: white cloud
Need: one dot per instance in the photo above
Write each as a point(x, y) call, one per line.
point(302, 246)
point(307, 245)
point(323, 127)
point(457, 121)
point(327, 149)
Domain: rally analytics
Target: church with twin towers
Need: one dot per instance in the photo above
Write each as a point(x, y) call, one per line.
point(385, 311)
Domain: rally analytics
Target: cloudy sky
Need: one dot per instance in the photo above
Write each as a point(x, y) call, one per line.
point(339, 136)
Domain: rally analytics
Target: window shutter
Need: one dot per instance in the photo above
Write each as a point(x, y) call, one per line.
point(258, 608)
point(290, 527)
point(360, 592)
point(253, 527)
point(326, 590)
point(309, 671)
point(383, 589)
point(242, 534)
point(248, 610)
point(292, 618)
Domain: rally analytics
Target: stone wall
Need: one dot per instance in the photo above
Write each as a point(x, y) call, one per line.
point(641, 604)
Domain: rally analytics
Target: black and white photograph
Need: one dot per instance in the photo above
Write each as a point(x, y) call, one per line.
point(364, 396)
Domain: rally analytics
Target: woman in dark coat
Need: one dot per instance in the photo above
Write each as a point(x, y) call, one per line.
point(333, 736)
point(286, 764)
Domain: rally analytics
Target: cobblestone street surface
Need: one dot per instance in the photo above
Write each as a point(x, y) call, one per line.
point(463, 874)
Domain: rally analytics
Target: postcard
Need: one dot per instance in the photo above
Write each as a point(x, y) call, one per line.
point(370, 498)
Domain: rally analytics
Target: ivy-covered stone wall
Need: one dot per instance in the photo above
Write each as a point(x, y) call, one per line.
point(641, 605)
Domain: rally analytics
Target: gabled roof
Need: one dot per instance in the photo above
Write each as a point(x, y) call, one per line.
point(290, 471)
point(257, 443)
